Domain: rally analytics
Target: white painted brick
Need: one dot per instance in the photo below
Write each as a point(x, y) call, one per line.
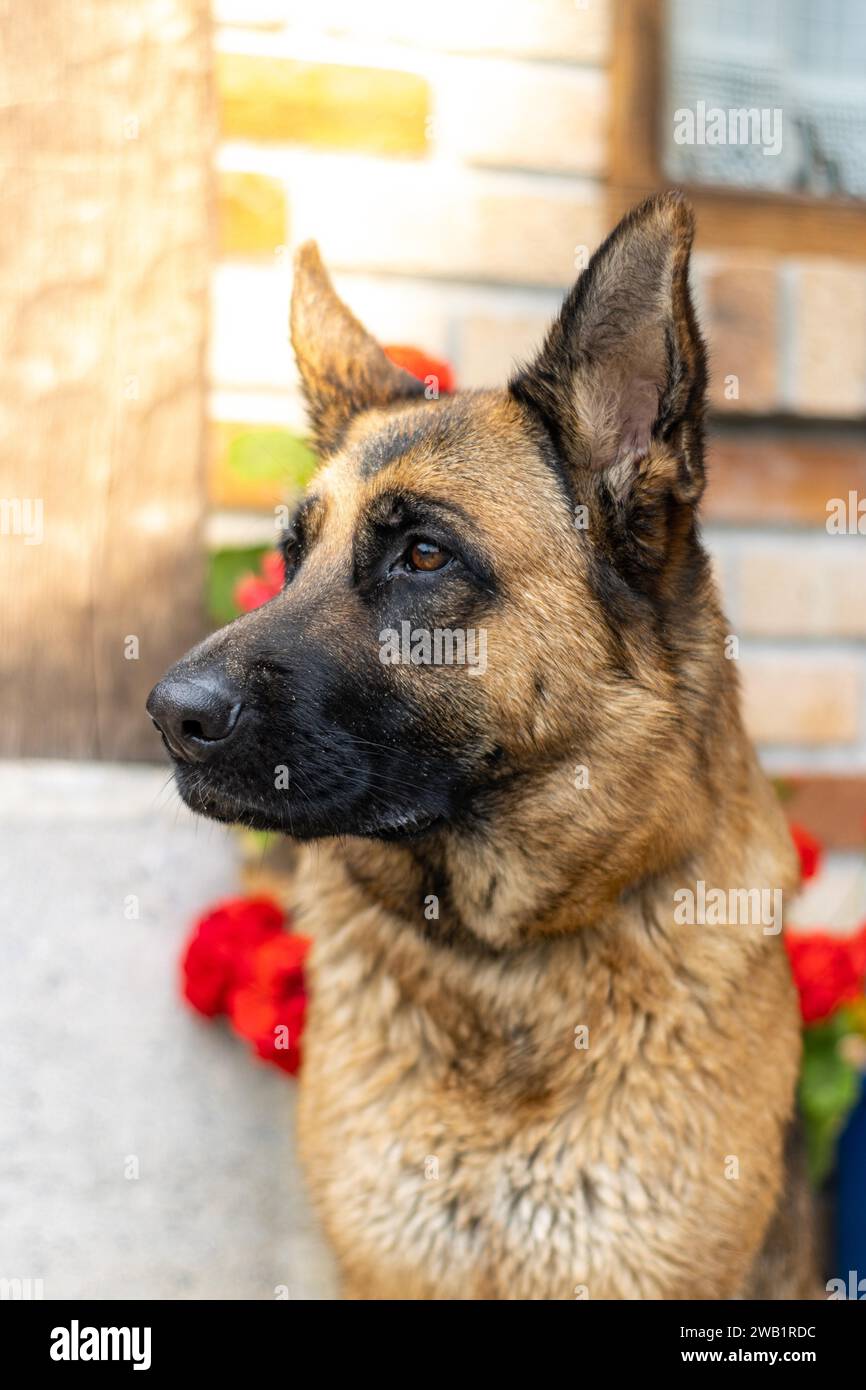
point(432, 220)
point(523, 115)
point(567, 30)
point(250, 327)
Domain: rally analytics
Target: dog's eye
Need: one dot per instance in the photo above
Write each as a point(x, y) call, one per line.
point(427, 555)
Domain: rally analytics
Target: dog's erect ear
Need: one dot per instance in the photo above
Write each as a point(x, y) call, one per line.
point(343, 369)
point(623, 366)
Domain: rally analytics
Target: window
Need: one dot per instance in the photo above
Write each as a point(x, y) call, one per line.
point(768, 96)
point(805, 58)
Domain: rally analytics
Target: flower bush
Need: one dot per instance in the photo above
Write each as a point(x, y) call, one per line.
point(242, 961)
point(252, 590)
point(830, 974)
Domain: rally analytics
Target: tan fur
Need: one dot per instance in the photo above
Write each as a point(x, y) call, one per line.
point(456, 1142)
point(557, 1168)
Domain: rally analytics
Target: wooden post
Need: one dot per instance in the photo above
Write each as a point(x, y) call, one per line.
point(106, 136)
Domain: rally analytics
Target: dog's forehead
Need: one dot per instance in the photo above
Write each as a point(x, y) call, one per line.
point(474, 447)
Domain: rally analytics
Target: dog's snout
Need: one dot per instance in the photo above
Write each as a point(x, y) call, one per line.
point(196, 714)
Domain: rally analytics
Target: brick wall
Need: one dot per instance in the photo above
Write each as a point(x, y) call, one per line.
point(450, 160)
point(788, 353)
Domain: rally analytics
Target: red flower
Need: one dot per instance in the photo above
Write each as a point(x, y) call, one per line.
point(273, 567)
point(252, 590)
point(422, 366)
point(828, 970)
point(216, 958)
point(269, 1009)
point(809, 851)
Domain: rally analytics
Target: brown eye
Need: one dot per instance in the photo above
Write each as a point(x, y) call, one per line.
point(427, 555)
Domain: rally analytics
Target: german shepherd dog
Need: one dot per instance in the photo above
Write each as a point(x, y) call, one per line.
point(527, 1074)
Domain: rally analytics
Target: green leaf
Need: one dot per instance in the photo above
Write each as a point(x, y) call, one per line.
point(254, 844)
point(271, 454)
point(225, 568)
point(829, 1088)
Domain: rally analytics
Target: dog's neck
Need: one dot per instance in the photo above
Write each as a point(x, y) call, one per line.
point(540, 868)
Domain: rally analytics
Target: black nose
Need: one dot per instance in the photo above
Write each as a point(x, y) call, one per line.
point(195, 714)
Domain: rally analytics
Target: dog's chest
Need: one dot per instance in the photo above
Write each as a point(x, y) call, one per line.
point(453, 1212)
point(520, 1165)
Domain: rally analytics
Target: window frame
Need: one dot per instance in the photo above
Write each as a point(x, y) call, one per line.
point(781, 223)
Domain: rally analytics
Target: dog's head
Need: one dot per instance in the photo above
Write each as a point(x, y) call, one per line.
point(479, 588)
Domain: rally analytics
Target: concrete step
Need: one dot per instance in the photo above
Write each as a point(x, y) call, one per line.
point(106, 1073)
